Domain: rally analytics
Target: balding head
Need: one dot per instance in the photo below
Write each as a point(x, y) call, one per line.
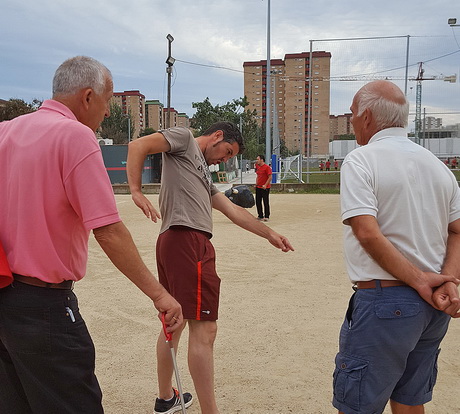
point(376, 106)
point(386, 102)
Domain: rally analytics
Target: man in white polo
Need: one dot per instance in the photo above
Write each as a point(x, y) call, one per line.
point(401, 210)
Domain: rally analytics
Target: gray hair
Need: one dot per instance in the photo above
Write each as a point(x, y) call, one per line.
point(386, 112)
point(78, 73)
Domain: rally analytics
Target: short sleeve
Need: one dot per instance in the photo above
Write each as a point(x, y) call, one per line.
point(357, 195)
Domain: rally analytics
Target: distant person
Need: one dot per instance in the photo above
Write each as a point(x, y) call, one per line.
point(185, 255)
point(263, 184)
point(401, 210)
point(54, 190)
point(453, 163)
point(328, 165)
point(321, 166)
point(336, 165)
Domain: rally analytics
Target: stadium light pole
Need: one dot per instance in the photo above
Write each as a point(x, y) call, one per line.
point(170, 62)
point(267, 93)
point(452, 22)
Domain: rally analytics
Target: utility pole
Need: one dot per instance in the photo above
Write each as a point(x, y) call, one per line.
point(170, 62)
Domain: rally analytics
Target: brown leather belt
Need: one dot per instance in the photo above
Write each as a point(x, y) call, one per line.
point(371, 284)
point(28, 280)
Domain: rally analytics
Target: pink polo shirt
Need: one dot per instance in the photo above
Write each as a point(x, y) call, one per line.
point(54, 189)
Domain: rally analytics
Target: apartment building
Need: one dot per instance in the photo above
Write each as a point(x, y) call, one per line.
point(290, 94)
point(132, 103)
point(183, 120)
point(340, 125)
point(154, 114)
point(430, 122)
point(148, 113)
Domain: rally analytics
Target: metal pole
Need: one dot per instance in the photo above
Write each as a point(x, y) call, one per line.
point(168, 115)
point(129, 128)
point(407, 66)
point(170, 62)
point(423, 130)
point(267, 94)
point(309, 110)
point(241, 155)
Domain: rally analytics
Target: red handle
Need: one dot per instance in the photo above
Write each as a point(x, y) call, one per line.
point(167, 334)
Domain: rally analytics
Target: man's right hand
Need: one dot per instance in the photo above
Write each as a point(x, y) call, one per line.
point(427, 282)
point(172, 310)
point(146, 206)
point(446, 298)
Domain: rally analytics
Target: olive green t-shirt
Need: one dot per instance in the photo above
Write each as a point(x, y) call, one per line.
point(186, 183)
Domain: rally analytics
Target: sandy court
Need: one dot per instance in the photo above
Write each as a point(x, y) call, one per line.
point(280, 316)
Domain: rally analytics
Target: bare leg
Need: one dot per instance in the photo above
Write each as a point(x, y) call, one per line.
point(201, 363)
point(165, 367)
point(397, 408)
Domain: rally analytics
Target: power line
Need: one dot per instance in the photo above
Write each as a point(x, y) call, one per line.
point(332, 78)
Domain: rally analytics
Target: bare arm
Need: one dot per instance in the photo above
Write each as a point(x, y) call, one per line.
point(118, 245)
point(268, 181)
point(137, 151)
point(245, 220)
point(367, 231)
point(446, 297)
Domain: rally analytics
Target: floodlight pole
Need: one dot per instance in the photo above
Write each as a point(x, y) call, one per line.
point(268, 94)
point(169, 62)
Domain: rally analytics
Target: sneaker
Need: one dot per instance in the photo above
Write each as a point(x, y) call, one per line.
point(173, 405)
point(266, 219)
point(260, 218)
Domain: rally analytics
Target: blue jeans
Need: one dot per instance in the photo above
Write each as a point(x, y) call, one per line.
point(47, 357)
point(389, 345)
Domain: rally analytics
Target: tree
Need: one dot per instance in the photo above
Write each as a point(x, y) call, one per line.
point(146, 131)
point(16, 107)
point(118, 126)
point(234, 112)
point(346, 137)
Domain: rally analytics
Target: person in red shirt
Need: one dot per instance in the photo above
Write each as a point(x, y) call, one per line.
point(321, 166)
point(328, 165)
point(264, 177)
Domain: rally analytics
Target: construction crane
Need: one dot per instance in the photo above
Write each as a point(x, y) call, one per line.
point(418, 97)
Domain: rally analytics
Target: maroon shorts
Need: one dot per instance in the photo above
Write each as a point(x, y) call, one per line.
point(186, 263)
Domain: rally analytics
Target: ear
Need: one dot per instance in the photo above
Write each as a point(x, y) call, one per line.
point(218, 136)
point(367, 118)
point(86, 97)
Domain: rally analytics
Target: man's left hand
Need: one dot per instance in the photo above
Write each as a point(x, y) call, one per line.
point(446, 298)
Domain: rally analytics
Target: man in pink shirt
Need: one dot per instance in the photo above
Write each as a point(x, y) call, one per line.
point(54, 190)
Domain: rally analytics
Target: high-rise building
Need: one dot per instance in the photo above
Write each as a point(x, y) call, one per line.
point(430, 122)
point(290, 95)
point(132, 103)
point(183, 120)
point(154, 114)
point(340, 125)
point(149, 113)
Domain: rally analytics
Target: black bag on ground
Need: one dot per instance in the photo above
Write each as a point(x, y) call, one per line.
point(241, 195)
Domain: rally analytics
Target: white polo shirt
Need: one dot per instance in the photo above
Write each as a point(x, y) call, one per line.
point(410, 192)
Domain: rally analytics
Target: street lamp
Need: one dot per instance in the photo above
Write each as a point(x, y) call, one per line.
point(170, 62)
point(452, 22)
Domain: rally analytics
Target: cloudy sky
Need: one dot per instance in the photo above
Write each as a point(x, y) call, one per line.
point(214, 37)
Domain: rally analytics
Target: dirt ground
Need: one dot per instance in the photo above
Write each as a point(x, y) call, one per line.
point(280, 317)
